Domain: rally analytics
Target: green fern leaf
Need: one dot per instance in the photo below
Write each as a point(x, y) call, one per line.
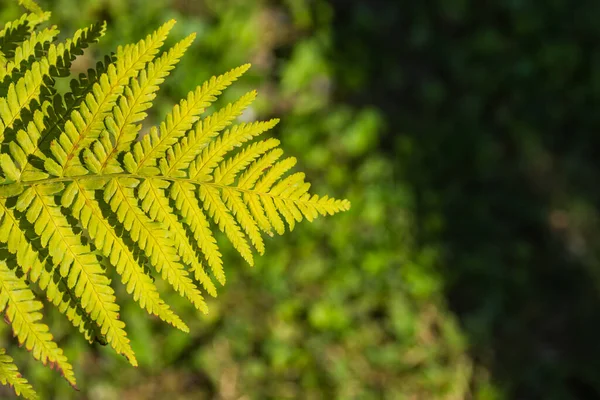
point(80, 195)
point(76, 263)
point(179, 121)
point(156, 204)
point(9, 375)
point(137, 99)
point(88, 212)
point(33, 265)
point(152, 238)
point(17, 31)
point(22, 311)
point(28, 88)
point(86, 124)
point(27, 50)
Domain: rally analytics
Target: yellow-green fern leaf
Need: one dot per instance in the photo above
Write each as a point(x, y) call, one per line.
point(57, 111)
point(86, 123)
point(122, 126)
point(33, 265)
point(17, 31)
point(209, 159)
point(217, 210)
point(225, 175)
point(9, 375)
point(156, 204)
point(237, 207)
point(22, 310)
point(152, 238)
point(179, 157)
point(249, 178)
point(79, 195)
point(76, 263)
point(32, 6)
point(154, 145)
point(186, 202)
point(27, 49)
point(27, 89)
point(87, 211)
point(67, 303)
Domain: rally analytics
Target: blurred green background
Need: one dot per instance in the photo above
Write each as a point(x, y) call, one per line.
point(462, 131)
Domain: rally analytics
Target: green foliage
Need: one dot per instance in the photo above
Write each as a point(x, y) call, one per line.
point(82, 194)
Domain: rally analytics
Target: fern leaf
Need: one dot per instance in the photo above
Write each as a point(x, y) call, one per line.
point(156, 204)
point(86, 123)
point(227, 170)
point(17, 31)
point(33, 265)
point(154, 240)
point(77, 264)
point(21, 93)
point(22, 147)
point(87, 211)
point(183, 194)
point(249, 178)
point(254, 172)
point(179, 157)
point(218, 212)
point(28, 88)
point(9, 375)
point(58, 293)
point(27, 49)
point(138, 98)
point(204, 164)
point(180, 120)
point(54, 114)
point(22, 311)
point(238, 208)
point(79, 194)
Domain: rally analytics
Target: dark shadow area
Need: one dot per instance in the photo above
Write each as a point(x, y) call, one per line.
point(494, 118)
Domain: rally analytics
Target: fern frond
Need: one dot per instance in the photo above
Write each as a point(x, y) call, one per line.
point(227, 170)
point(79, 195)
point(88, 212)
point(28, 88)
point(225, 175)
point(21, 93)
point(17, 31)
point(47, 124)
point(32, 6)
point(36, 42)
point(154, 145)
point(132, 107)
point(236, 205)
point(33, 265)
point(204, 164)
point(86, 124)
point(217, 210)
point(184, 196)
point(9, 375)
point(156, 204)
point(22, 311)
point(179, 157)
point(76, 263)
point(22, 147)
point(151, 238)
point(62, 297)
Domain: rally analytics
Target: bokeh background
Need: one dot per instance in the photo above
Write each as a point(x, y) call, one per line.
point(464, 132)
